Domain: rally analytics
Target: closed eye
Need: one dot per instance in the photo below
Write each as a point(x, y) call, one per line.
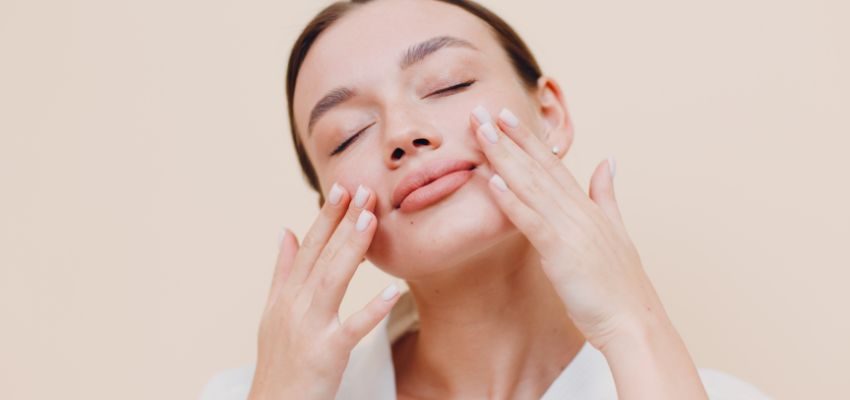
point(453, 88)
point(448, 90)
point(348, 141)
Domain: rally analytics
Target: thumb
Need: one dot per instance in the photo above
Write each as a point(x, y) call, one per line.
point(602, 190)
point(362, 322)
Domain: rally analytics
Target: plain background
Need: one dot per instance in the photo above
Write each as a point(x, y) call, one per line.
point(147, 171)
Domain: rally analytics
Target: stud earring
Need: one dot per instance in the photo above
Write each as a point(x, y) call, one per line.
point(555, 150)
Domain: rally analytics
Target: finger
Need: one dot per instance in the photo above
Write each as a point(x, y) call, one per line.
point(285, 259)
point(321, 230)
point(536, 228)
point(526, 178)
point(602, 192)
point(510, 124)
point(337, 273)
point(344, 253)
point(362, 322)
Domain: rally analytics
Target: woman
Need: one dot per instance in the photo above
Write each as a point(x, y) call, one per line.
point(438, 142)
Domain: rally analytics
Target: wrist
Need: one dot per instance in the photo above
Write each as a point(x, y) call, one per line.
point(649, 359)
point(633, 328)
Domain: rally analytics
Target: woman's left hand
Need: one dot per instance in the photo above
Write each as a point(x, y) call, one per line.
point(584, 247)
point(589, 258)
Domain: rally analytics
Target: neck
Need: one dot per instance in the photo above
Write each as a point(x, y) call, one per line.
point(493, 327)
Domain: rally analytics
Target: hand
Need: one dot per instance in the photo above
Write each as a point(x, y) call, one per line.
point(585, 250)
point(593, 265)
point(303, 348)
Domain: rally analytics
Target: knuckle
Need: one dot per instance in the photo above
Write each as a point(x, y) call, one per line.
point(550, 162)
point(352, 215)
point(521, 135)
point(536, 224)
point(548, 238)
point(532, 187)
point(511, 202)
point(327, 281)
point(348, 333)
point(586, 222)
point(373, 312)
point(310, 240)
point(347, 249)
point(500, 152)
point(334, 209)
point(326, 255)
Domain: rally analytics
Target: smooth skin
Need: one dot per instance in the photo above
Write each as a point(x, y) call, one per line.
point(508, 285)
point(590, 259)
point(303, 347)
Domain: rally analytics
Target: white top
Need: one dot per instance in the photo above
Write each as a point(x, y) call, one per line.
point(370, 373)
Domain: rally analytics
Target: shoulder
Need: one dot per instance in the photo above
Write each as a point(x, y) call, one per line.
point(229, 384)
point(723, 386)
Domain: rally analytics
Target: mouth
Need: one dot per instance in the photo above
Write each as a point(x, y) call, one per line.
point(431, 184)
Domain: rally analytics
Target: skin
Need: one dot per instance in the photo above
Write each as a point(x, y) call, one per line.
point(542, 264)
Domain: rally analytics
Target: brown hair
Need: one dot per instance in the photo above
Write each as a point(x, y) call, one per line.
point(520, 56)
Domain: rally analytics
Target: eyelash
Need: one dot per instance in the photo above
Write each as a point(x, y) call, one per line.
point(348, 141)
point(459, 86)
point(462, 85)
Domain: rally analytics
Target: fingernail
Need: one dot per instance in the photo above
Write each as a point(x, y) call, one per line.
point(499, 182)
point(509, 118)
point(389, 292)
point(336, 194)
point(489, 132)
point(361, 196)
point(481, 114)
point(612, 166)
point(363, 220)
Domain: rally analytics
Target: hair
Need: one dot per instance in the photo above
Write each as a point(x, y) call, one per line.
point(520, 56)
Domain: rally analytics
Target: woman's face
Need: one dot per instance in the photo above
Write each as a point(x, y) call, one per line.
point(408, 112)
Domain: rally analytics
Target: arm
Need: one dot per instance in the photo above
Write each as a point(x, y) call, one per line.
point(587, 254)
point(649, 360)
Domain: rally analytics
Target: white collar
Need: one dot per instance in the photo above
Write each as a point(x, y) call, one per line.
point(370, 373)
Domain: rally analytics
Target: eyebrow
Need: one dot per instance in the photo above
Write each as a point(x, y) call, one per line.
point(418, 52)
point(413, 55)
point(332, 99)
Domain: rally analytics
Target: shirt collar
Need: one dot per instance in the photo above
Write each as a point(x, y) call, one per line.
point(370, 373)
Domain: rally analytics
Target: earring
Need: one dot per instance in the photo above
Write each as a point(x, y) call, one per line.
point(555, 150)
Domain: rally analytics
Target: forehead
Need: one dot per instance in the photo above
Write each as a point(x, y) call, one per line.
point(363, 48)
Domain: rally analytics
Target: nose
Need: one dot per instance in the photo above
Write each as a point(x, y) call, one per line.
point(408, 134)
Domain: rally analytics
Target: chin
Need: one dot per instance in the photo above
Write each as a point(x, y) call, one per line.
point(441, 235)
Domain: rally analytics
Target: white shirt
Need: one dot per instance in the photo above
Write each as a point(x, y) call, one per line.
point(370, 374)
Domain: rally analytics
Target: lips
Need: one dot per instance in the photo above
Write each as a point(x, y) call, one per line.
point(426, 174)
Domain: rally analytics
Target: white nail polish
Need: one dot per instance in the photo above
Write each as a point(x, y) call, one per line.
point(363, 220)
point(389, 292)
point(499, 182)
point(612, 166)
point(361, 196)
point(481, 114)
point(336, 194)
point(489, 132)
point(509, 118)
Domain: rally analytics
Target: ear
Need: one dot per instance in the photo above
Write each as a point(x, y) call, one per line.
point(554, 114)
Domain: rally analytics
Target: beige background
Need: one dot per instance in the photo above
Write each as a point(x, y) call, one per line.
point(146, 170)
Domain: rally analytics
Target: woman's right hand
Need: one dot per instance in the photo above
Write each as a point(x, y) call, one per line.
point(303, 348)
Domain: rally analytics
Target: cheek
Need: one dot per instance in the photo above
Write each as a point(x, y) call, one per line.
point(350, 178)
point(360, 170)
